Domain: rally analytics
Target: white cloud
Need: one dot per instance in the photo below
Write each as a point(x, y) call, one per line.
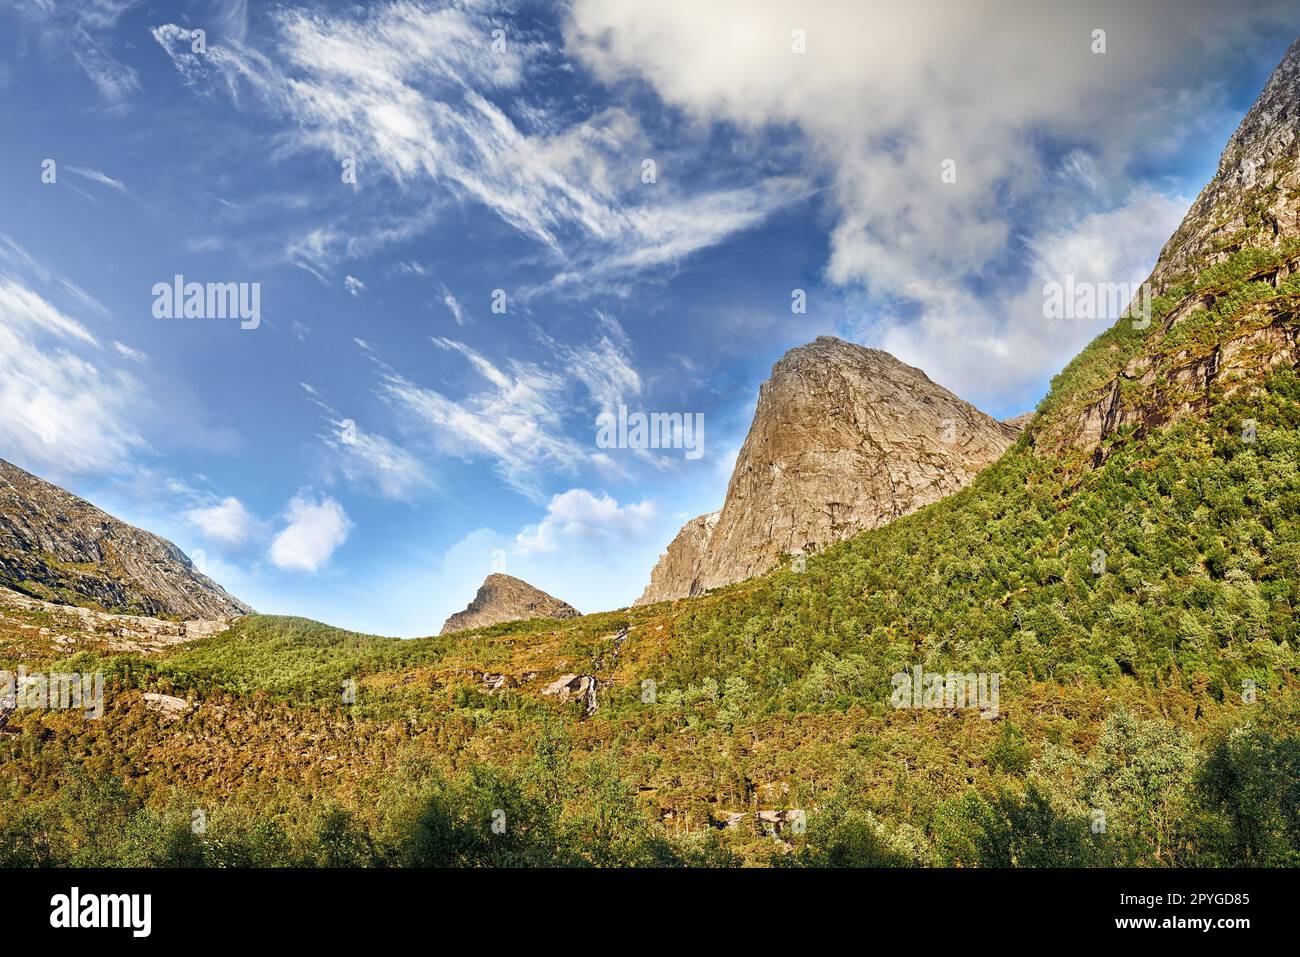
point(515, 420)
point(313, 251)
point(883, 96)
point(604, 367)
point(64, 415)
point(77, 30)
point(371, 461)
point(315, 529)
point(126, 352)
point(227, 522)
point(413, 89)
point(960, 341)
point(228, 19)
point(519, 414)
point(24, 309)
point(452, 303)
point(578, 515)
point(96, 176)
point(354, 285)
point(367, 460)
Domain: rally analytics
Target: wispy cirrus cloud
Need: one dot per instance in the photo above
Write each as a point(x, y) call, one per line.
point(80, 32)
point(126, 352)
point(410, 91)
point(66, 411)
point(95, 176)
point(604, 366)
point(367, 460)
point(515, 418)
point(534, 420)
point(74, 407)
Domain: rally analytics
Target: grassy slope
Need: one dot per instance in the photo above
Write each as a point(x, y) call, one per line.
point(1121, 691)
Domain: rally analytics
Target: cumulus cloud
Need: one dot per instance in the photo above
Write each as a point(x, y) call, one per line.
point(885, 96)
point(314, 530)
point(958, 338)
point(580, 516)
point(227, 522)
point(1042, 132)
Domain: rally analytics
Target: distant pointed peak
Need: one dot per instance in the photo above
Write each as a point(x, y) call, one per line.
point(502, 598)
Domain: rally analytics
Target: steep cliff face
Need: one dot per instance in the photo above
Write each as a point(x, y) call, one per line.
point(1225, 289)
point(844, 439)
point(677, 571)
point(503, 598)
point(58, 547)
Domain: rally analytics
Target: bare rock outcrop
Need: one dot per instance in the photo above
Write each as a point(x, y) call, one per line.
point(167, 705)
point(678, 568)
point(75, 628)
point(56, 546)
point(844, 439)
point(503, 598)
point(575, 687)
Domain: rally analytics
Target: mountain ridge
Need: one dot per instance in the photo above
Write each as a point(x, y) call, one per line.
point(57, 546)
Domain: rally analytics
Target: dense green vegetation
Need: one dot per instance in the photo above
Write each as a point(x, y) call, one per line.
point(1143, 795)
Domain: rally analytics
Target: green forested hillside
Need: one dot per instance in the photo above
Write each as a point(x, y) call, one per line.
point(1130, 599)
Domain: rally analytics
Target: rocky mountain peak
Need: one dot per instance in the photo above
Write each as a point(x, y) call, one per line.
point(58, 547)
point(844, 439)
point(503, 598)
point(1254, 198)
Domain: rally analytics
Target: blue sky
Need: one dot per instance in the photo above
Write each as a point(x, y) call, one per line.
point(384, 439)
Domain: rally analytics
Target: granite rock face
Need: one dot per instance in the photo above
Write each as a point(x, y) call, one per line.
point(503, 598)
point(58, 547)
point(844, 439)
point(677, 572)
